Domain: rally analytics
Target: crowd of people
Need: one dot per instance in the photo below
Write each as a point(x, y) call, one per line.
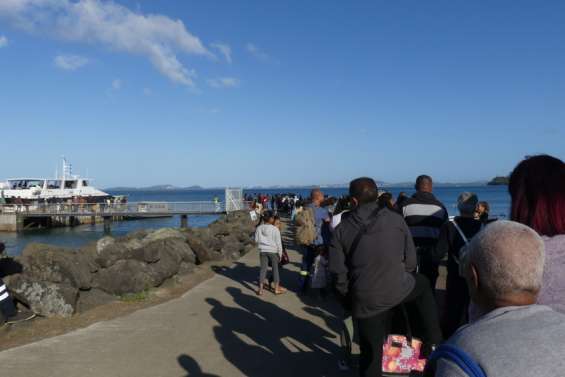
point(505, 283)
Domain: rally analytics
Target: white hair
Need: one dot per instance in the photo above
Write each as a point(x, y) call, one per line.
point(509, 257)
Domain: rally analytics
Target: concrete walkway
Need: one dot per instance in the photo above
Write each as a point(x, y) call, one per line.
point(219, 328)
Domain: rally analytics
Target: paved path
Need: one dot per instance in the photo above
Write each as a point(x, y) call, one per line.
point(219, 328)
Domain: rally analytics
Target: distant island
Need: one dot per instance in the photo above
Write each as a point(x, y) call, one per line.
point(495, 181)
point(499, 181)
point(156, 188)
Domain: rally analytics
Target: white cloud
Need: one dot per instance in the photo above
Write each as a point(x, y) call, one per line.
point(224, 82)
point(257, 52)
point(3, 41)
point(224, 49)
point(117, 84)
point(156, 37)
point(70, 62)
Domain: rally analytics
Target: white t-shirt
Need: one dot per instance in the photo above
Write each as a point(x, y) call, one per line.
point(336, 219)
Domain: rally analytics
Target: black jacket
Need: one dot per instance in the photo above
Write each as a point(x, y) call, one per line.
point(450, 242)
point(377, 276)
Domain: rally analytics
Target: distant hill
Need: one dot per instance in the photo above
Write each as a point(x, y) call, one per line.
point(156, 188)
point(302, 187)
point(499, 181)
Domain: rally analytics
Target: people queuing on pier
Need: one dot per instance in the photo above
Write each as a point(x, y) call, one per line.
point(371, 283)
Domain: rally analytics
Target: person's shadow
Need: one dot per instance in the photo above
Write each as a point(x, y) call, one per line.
point(262, 339)
point(192, 367)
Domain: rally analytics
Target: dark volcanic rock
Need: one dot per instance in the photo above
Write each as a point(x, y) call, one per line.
point(108, 252)
point(57, 265)
point(44, 298)
point(125, 276)
point(92, 298)
point(167, 266)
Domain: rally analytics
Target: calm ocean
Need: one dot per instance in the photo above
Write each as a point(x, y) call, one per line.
point(497, 196)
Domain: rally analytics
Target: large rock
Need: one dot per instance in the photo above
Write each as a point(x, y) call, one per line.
point(167, 266)
point(109, 251)
point(199, 240)
point(44, 298)
point(124, 276)
point(92, 298)
point(57, 265)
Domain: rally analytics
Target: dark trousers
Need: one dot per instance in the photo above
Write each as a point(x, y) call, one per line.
point(373, 330)
point(455, 313)
point(308, 256)
point(426, 265)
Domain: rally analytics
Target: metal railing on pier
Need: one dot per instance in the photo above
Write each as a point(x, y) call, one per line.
point(133, 209)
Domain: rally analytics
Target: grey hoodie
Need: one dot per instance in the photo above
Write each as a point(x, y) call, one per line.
point(268, 239)
point(377, 276)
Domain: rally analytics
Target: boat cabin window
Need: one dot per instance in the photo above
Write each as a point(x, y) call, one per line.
point(25, 184)
point(84, 183)
point(51, 185)
point(70, 184)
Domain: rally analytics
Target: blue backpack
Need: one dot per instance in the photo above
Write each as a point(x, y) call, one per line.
point(460, 358)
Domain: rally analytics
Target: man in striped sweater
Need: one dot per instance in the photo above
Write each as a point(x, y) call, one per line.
point(425, 215)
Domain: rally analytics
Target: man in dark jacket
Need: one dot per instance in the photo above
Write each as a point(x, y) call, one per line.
point(425, 216)
point(372, 262)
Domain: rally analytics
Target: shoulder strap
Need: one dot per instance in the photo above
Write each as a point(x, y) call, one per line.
point(460, 358)
point(460, 231)
point(362, 231)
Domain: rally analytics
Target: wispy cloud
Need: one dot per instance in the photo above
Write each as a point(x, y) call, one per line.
point(117, 84)
point(224, 82)
point(156, 37)
point(257, 52)
point(3, 41)
point(70, 62)
point(224, 49)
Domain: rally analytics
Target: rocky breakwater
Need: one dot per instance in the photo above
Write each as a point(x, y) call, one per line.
point(54, 281)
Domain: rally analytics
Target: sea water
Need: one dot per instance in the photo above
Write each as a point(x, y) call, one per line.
point(496, 196)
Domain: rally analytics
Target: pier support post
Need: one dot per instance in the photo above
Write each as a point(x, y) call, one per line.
point(184, 221)
point(107, 224)
point(20, 223)
point(92, 220)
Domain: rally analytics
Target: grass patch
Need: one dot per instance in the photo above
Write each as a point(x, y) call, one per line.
point(135, 297)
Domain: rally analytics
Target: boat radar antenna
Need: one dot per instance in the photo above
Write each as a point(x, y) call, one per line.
point(67, 169)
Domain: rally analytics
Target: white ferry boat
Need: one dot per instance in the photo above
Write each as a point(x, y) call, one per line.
point(67, 187)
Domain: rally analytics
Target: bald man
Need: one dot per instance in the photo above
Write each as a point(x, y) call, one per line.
point(514, 336)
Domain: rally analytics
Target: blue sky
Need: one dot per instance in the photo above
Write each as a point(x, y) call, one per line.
point(296, 92)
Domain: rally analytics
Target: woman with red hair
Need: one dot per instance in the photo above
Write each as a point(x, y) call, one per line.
point(537, 188)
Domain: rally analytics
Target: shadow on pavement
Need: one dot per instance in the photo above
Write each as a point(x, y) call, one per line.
point(262, 339)
point(192, 367)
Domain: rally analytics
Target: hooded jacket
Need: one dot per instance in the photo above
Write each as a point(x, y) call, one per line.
point(268, 239)
point(377, 275)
